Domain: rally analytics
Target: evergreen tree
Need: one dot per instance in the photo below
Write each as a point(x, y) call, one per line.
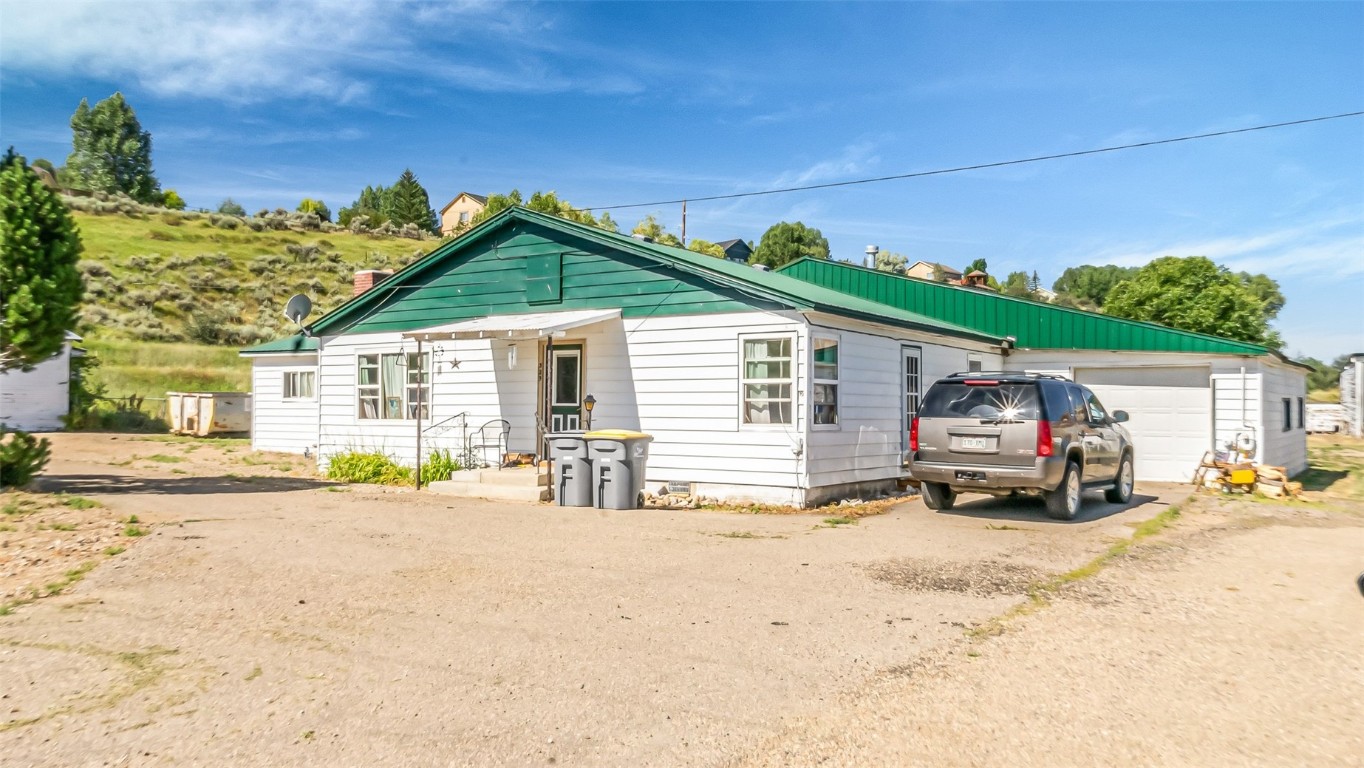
point(1034, 282)
point(408, 203)
point(110, 152)
point(40, 287)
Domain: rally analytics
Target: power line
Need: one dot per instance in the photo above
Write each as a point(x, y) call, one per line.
point(980, 166)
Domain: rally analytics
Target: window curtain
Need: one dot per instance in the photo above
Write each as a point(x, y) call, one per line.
point(393, 378)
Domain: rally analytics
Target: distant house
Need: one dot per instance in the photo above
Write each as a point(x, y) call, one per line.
point(736, 251)
point(36, 400)
point(928, 270)
point(459, 212)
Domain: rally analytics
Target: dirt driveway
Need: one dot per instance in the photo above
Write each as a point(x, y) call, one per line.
point(272, 619)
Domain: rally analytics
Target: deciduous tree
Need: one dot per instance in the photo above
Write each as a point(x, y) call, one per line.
point(172, 200)
point(785, 242)
point(231, 207)
point(890, 261)
point(652, 229)
point(1194, 294)
point(706, 247)
point(310, 205)
point(1087, 286)
point(110, 152)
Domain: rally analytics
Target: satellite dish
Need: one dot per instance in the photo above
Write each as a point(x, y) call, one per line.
point(298, 308)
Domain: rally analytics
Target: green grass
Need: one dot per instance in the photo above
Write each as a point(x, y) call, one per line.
point(165, 458)
point(834, 522)
point(78, 502)
point(151, 369)
point(111, 551)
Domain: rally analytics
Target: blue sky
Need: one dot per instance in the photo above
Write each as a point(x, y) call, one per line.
point(616, 103)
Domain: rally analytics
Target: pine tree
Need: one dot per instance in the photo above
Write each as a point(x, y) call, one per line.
point(1034, 282)
point(409, 204)
point(110, 152)
point(40, 286)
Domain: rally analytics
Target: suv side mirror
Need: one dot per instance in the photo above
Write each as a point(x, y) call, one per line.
point(1119, 417)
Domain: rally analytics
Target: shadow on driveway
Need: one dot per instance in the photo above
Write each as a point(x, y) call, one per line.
point(1032, 509)
point(186, 486)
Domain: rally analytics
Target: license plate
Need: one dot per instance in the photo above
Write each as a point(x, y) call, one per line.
point(978, 476)
point(975, 443)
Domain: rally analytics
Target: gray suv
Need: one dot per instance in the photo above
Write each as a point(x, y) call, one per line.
point(1005, 433)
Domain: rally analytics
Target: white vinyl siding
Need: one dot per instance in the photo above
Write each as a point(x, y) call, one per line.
point(287, 425)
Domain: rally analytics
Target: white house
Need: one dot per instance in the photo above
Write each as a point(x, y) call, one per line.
point(754, 385)
point(783, 387)
point(36, 400)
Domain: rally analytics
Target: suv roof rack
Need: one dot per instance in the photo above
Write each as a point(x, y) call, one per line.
point(1009, 374)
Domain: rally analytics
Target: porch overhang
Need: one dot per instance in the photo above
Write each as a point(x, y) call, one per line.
point(532, 325)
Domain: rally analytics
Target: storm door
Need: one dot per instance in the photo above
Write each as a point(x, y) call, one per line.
point(566, 388)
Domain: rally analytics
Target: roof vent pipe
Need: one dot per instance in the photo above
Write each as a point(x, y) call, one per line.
point(645, 238)
point(761, 267)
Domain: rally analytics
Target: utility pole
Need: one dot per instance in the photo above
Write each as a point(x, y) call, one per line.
point(684, 223)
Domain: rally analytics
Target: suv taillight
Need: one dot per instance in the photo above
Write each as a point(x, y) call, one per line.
point(1043, 437)
point(914, 434)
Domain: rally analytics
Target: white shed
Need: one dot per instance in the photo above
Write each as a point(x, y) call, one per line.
point(37, 400)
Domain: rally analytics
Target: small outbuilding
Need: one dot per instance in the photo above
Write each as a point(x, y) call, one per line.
point(39, 399)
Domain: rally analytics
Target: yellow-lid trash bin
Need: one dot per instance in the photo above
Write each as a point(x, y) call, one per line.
point(618, 458)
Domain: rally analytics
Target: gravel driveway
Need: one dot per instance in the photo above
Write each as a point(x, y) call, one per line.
point(270, 619)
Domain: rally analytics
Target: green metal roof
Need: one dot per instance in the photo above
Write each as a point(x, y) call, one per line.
point(757, 286)
point(297, 344)
point(1035, 325)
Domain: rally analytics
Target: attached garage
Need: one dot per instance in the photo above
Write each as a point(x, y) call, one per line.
point(1171, 414)
point(1185, 393)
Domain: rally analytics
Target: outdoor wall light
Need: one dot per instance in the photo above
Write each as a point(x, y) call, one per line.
point(589, 403)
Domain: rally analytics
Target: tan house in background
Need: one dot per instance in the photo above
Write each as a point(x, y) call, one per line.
point(924, 270)
point(458, 213)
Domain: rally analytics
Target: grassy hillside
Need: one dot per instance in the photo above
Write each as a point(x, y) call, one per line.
point(168, 276)
point(171, 297)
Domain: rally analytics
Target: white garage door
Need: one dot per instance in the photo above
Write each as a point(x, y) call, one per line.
point(1170, 410)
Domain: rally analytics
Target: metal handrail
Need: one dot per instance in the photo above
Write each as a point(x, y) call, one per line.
point(463, 422)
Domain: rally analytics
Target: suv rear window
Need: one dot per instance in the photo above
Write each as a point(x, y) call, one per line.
point(955, 400)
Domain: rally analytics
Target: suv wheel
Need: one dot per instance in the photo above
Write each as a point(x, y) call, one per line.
point(1121, 492)
point(938, 496)
point(1064, 502)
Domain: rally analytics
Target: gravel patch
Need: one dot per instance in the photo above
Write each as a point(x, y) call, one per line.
point(984, 578)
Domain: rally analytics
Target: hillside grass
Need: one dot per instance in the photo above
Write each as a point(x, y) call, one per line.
point(171, 298)
point(151, 369)
point(172, 277)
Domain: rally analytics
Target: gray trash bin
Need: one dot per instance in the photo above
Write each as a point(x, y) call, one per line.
point(618, 459)
point(572, 469)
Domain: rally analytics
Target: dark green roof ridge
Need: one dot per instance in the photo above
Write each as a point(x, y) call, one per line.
point(289, 345)
point(1188, 341)
point(771, 286)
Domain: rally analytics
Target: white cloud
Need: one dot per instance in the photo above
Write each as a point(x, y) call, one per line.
point(1331, 245)
point(253, 51)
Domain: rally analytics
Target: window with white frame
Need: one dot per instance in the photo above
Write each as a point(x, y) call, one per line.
point(298, 385)
point(767, 380)
point(393, 386)
point(825, 380)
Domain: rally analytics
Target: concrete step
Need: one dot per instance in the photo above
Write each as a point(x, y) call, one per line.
point(495, 491)
point(525, 477)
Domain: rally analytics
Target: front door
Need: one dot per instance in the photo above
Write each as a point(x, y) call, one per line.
point(566, 388)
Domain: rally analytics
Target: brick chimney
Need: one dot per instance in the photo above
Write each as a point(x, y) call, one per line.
point(367, 278)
